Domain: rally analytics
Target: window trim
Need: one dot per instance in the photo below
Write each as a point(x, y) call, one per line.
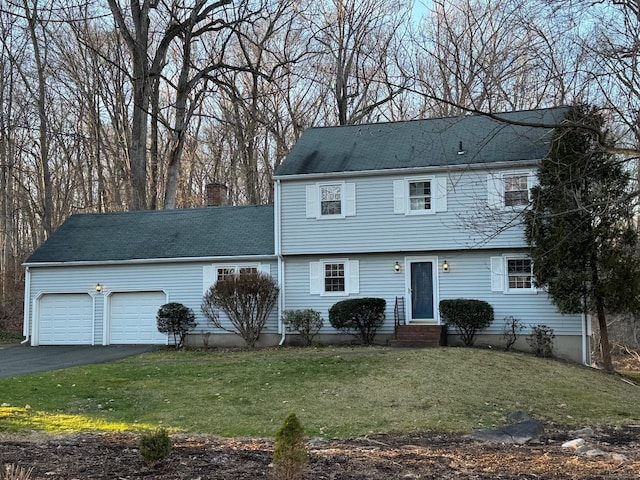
point(314, 200)
point(210, 271)
point(402, 199)
point(351, 277)
point(496, 192)
point(500, 275)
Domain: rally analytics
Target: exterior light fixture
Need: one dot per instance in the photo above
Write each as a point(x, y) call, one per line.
point(98, 287)
point(445, 266)
point(396, 267)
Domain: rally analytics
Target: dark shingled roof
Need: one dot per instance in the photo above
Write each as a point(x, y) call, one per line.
point(422, 143)
point(156, 234)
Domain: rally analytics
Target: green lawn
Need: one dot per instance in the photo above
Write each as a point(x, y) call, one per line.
point(336, 392)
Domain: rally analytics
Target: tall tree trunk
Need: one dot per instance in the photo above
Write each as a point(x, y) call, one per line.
point(605, 347)
point(45, 190)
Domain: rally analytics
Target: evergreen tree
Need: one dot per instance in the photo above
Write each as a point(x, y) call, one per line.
point(581, 229)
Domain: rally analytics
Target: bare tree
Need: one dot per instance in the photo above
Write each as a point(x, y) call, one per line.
point(148, 58)
point(358, 41)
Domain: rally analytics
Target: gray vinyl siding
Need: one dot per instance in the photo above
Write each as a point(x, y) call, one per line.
point(469, 277)
point(182, 282)
point(377, 279)
point(467, 223)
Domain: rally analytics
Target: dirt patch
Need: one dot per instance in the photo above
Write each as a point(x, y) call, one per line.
point(412, 456)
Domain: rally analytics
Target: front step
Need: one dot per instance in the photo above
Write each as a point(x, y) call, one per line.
point(418, 336)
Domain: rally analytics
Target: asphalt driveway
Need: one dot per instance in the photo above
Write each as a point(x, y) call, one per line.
point(22, 359)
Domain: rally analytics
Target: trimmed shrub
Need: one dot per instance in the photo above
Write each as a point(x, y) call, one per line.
point(467, 315)
point(541, 341)
point(176, 319)
point(290, 455)
point(306, 322)
point(155, 447)
point(247, 300)
point(359, 316)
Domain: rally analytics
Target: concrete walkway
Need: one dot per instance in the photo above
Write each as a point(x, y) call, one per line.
point(22, 359)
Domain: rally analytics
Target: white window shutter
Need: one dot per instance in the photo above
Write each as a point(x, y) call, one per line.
point(312, 201)
point(497, 274)
point(264, 268)
point(349, 191)
point(440, 200)
point(208, 277)
point(399, 202)
point(315, 278)
point(495, 191)
point(354, 276)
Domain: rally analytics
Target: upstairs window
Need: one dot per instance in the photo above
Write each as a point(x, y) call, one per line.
point(516, 190)
point(330, 200)
point(420, 195)
point(509, 190)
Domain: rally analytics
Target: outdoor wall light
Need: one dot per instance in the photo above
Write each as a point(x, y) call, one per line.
point(445, 266)
point(98, 287)
point(396, 267)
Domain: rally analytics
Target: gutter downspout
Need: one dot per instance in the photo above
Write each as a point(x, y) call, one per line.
point(278, 248)
point(27, 310)
point(585, 360)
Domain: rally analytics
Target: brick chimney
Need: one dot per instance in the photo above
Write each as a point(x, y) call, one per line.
point(216, 194)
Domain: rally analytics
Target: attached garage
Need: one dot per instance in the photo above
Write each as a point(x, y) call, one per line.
point(132, 318)
point(65, 319)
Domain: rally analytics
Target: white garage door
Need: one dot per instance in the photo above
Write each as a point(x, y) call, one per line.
point(65, 319)
point(133, 318)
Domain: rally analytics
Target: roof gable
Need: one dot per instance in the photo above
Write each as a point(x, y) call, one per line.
point(422, 143)
point(161, 234)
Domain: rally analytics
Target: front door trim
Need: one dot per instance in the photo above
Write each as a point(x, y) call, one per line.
point(436, 288)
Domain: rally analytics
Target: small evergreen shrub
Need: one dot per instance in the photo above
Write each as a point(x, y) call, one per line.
point(511, 330)
point(290, 455)
point(467, 315)
point(306, 322)
point(246, 299)
point(14, 472)
point(359, 316)
point(541, 341)
point(155, 447)
point(175, 319)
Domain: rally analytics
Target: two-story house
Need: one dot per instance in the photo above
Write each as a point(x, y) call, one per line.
point(413, 212)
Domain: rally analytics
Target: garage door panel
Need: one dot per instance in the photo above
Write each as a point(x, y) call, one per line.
point(65, 319)
point(133, 318)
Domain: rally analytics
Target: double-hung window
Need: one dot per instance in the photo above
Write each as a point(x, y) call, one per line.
point(222, 273)
point(512, 274)
point(519, 273)
point(334, 277)
point(516, 190)
point(331, 200)
point(509, 190)
point(337, 277)
point(420, 195)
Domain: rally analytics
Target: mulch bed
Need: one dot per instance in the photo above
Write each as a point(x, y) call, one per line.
point(407, 456)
